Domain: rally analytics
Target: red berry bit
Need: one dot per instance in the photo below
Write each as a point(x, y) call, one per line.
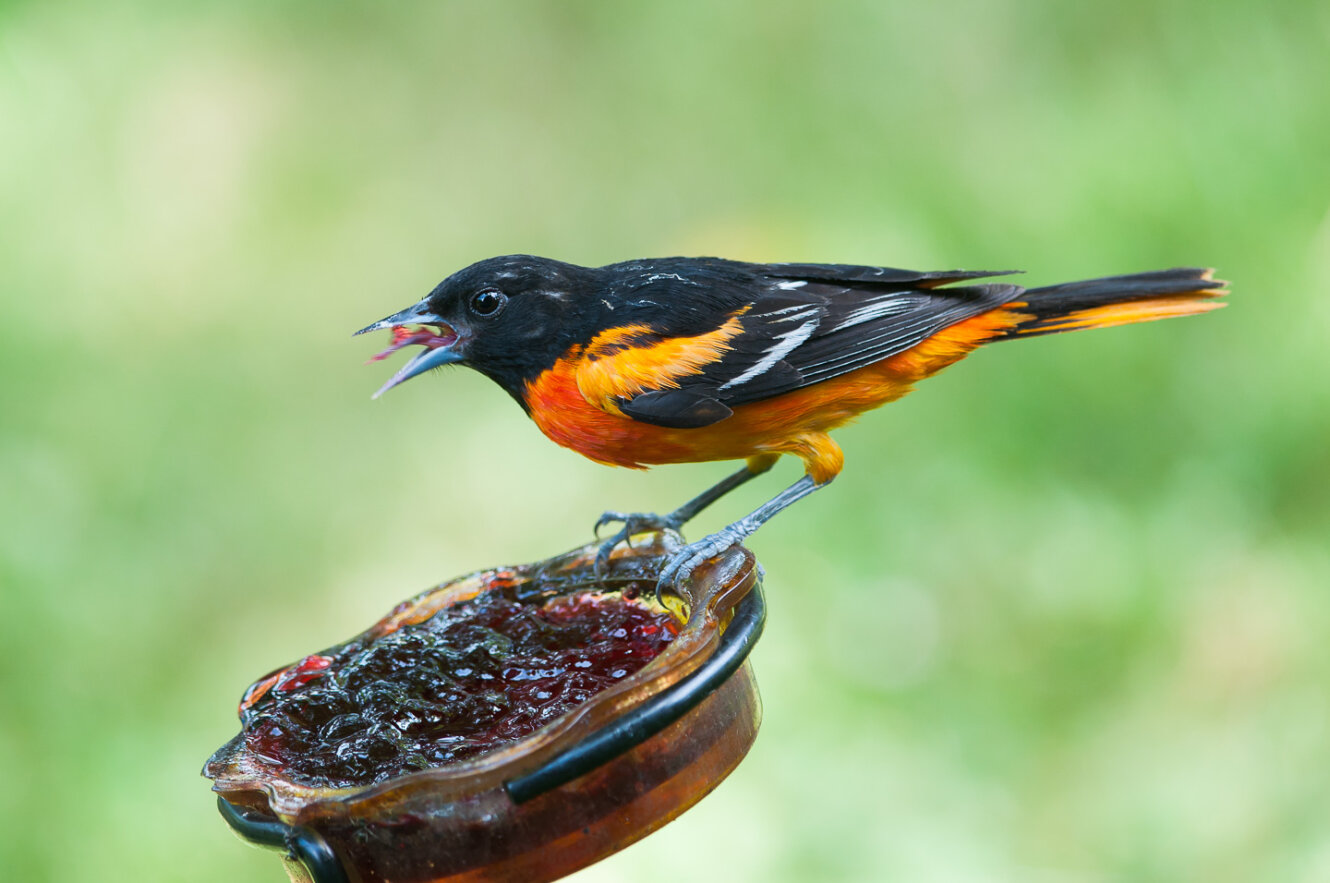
point(302, 673)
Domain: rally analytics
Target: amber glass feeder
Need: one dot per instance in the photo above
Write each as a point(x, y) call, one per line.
point(603, 775)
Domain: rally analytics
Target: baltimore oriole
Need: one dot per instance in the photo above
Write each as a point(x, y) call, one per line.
point(688, 359)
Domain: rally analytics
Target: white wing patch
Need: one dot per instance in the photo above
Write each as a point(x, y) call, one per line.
point(801, 311)
point(784, 344)
point(877, 307)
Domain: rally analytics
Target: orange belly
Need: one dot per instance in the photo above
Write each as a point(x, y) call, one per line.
point(793, 423)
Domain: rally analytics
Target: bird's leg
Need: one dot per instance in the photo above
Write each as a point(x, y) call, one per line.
point(690, 556)
point(636, 522)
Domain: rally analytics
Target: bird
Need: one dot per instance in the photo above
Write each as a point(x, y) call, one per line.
point(675, 360)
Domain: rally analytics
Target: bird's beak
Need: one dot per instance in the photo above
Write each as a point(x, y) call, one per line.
point(440, 344)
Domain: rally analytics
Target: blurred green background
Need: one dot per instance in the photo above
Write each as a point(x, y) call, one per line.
point(1063, 618)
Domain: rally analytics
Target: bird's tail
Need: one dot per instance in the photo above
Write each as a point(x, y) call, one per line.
point(1115, 300)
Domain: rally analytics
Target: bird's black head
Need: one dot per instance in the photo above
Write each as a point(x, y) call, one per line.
point(508, 317)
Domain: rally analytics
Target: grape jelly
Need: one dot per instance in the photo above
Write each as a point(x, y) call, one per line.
point(471, 678)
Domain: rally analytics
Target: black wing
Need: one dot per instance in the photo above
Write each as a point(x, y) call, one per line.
point(806, 323)
point(875, 277)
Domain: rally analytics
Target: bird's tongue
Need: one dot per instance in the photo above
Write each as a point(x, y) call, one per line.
point(405, 335)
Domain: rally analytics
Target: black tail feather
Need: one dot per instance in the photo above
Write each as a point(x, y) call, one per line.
point(1116, 300)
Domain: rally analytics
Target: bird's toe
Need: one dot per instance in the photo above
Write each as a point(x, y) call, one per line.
point(682, 564)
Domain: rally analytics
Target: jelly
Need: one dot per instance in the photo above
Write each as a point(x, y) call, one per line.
point(471, 678)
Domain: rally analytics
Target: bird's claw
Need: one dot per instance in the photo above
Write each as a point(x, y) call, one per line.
point(637, 522)
point(607, 517)
point(633, 523)
point(687, 559)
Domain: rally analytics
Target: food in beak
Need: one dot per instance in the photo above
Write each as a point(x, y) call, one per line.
point(437, 344)
point(405, 335)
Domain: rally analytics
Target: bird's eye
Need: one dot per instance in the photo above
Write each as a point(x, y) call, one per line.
point(488, 302)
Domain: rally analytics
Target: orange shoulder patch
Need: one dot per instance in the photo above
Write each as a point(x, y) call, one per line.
point(618, 363)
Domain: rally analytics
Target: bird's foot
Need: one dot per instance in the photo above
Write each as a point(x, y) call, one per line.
point(687, 559)
point(633, 523)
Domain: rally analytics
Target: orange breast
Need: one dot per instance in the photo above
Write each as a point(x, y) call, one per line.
point(794, 423)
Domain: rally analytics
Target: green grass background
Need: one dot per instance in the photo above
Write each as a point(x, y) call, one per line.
point(1064, 617)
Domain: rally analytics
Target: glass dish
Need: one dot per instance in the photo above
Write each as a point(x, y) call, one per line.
point(606, 773)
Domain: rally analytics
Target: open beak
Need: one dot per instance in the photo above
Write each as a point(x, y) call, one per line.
point(409, 327)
